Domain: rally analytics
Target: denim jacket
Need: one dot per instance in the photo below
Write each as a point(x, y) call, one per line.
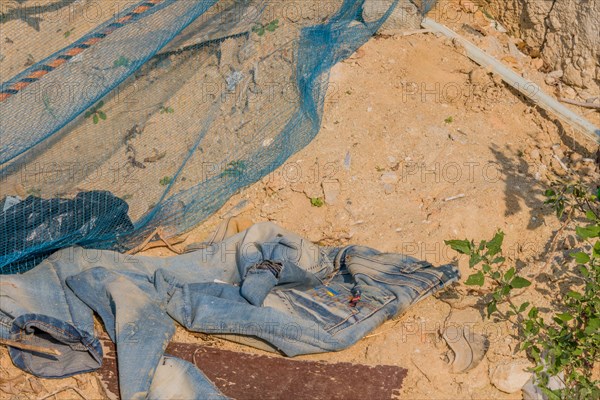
point(265, 283)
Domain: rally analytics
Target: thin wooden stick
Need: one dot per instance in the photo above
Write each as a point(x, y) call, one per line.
point(64, 390)
point(580, 103)
point(146, 244)
point(23, 346)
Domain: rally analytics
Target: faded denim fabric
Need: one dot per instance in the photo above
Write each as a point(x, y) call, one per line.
point(265, 282)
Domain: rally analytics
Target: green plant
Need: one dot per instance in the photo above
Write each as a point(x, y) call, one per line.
point(34, 191)
point(165, 180)
point(166, 110)
point(261, 29)
point(121, 62)
point(568, 344)
point(234, 169)
point(96, 113)
point(317, 202)
point(449, 120)
point(68, 33)
point(47, 106)
point(488, 254)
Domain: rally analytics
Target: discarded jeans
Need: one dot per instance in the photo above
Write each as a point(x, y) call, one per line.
point(34, 228)
point(265, 282)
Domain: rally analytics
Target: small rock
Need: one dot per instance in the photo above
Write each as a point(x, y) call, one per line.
point(479, 77)
point(572, 76)
point(388, 188)
point(537, 63)
point(556, 74)
point(331, 189)
point(510, 377)
point(532, 392)
point(568, 92)
point(404, 17)
point(493, 46)
point(389, 178)
point(515, 52)
point(233, 80)
point(553, 77)
point(558, 151)
point(557, 168)
point(575, 157)
point(535, 155)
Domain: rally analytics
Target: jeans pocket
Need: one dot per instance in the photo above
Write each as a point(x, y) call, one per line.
point(396, 270)
point(330, 306)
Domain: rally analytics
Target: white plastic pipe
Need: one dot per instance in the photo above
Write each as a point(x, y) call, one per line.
point(528, 88)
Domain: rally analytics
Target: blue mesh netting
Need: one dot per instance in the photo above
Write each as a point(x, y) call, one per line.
point(171, 105)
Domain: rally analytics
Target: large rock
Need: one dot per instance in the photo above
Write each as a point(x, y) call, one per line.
point(405, 16)
point(565, 32)
point(510, 377)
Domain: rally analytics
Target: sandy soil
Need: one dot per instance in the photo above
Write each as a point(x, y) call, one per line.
point(418, 145)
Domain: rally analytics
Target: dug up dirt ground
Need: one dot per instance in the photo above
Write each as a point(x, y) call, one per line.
point(418, 145)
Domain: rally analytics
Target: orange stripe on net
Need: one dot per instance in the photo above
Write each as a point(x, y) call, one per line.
point(141, 9)
point(124, 19)
point(20, 85)
point(57, 63)
point(92, 41)
point(4, 96)
point(37, 74)
point(74, 51)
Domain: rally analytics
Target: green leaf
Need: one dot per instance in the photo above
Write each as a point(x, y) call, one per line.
point(475, 279)
point(549, 193)
point(475, 259)
point(591, 216)
point(523, 306)
point(88, 114)
point(102, 115)
point(566, 317)
point(581, 257)
point(592, 326)
point(588, 232)
point(509, 274)
point(462, 246)
point(498, 260)
point(100, 104)
point(494, 246)
point(491, 308)
point(165, 180)
point(574, 295)
point(96, 118)
point(519, 282)
point(317, 202)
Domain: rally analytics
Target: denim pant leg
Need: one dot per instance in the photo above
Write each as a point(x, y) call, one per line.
point(135, 322)
point(36, 308)
point(133, 315)
point(177, 379)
